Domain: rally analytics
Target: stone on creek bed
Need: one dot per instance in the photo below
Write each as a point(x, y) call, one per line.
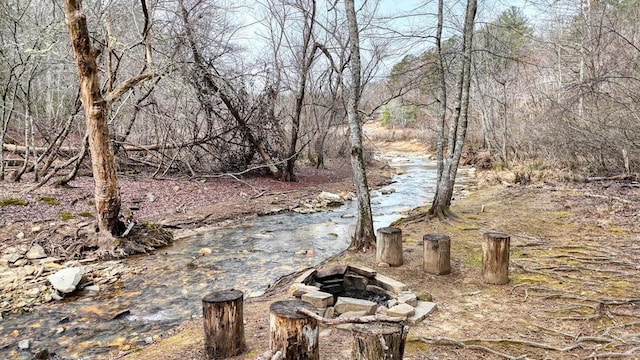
point(67, 279)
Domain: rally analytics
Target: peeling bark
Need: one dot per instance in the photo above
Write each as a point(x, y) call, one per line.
point(107, 194)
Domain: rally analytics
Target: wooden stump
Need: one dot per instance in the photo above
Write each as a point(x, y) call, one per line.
point(437, 249)
point(223, 324)
point(389, 246)
point(495, 258)
point(294, 334)
point(378, 341)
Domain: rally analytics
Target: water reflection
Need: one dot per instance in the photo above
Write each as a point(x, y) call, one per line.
point(165, 288)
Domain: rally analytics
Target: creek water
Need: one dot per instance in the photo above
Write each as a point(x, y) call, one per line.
point(166, 288)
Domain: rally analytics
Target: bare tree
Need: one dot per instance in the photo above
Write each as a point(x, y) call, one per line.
point(364, 237)
point(96, 107)
point(448, 166)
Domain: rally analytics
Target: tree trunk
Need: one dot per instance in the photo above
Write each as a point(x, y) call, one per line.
point(307, 56)
point(378, 341)
point(294, 334)
point(107, 194)
point(437, 253)
point(458, 125)
point(495, 258)
point(364, 237)
point(389, 246)
point(223, 324)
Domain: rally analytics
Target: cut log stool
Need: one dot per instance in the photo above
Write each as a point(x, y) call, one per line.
point(437, 250)
point(495, 258)
point(223, 324)
point(294, 334)
point(389, 246)
point(378, 341)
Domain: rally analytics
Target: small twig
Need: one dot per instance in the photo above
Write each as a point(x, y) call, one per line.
point(129, 227)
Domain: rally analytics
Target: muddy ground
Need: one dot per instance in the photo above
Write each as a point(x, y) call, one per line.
point(574, 277)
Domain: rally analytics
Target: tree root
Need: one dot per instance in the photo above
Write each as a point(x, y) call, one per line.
point(579, 342)
point(141, 239)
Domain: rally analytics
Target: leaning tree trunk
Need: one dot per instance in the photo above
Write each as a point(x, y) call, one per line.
point(107, 194)
point(364, 237)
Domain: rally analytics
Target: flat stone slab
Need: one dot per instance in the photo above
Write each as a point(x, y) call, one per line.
point(363, 270)
point(380, 291)
point(352, 314)
point(401, 310)
point(318, 299)
point(390, 284)
point(347, 304)
point(298, 289)
point(331, 272)
point(408, 297)
point(306, 276)
point(357, 282)
point(423, 309)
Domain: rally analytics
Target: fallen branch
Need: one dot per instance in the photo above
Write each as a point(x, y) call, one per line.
point(622, 177)
point(351, 320)
point(609, 198)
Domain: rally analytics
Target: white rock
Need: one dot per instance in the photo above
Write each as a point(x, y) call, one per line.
point(67, 279)
point(20, 235)
point(36, 228)
point(24, 344)
point(36, 252)
point(327, 196)
point(92, 288)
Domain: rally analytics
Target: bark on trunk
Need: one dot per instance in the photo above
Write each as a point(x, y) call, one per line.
point(495, 258)
point(437, 253)
point(378, 341)
point(308, 53)
point(389, 246)
point(364, 237)
point(107, 194)
point(294, 334)
point(458, 125)
point(223, 324)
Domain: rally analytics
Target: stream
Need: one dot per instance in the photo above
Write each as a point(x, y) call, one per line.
point(161, 290)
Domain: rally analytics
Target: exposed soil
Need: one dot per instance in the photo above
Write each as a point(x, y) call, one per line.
point(573, 290)
point(574, 275)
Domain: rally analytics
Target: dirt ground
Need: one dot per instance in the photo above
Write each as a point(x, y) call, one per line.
point(574, 288)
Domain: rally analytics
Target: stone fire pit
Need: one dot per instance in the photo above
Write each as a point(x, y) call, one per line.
point(353, 290)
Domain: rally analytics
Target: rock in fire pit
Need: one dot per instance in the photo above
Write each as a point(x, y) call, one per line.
point(353, 290)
